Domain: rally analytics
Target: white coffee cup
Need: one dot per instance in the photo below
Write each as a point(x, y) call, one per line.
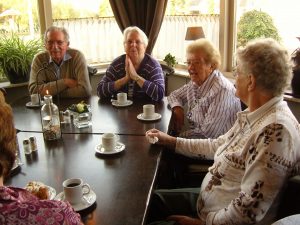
point(148, 111)
point(74, 189)
point(35, 100)
point(109, 141)
point(122, 98)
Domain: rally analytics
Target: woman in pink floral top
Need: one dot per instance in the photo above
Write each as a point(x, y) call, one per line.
point(18, 206)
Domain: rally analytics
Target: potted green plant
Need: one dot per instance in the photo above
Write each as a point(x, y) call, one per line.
point(170, 60)
point(16, 56)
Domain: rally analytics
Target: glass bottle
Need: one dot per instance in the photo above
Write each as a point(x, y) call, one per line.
point(50, 119)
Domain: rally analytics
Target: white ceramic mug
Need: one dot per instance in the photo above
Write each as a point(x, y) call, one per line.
point(35, 100)
point(148, 111)
point(122, 98)
point(74, 189)
point(109, 141)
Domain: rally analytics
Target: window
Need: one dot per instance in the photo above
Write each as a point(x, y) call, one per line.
point(285, 16)
point(181, 14)
point(19, 17)
point(94, 31)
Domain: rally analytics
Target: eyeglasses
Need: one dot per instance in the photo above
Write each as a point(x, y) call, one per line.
point(129, 42)
point(194, 63)
point(58, 43)
point(234, 72)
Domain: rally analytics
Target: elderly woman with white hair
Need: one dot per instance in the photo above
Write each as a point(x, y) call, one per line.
point(209, 97)
point(136, 73)
point(254, 159)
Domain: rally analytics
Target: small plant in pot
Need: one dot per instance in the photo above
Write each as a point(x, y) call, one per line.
point(16, 56)
point(170, 60)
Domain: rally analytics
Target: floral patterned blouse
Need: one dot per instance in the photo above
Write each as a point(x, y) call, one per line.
point(252, 162)
point(20, 207)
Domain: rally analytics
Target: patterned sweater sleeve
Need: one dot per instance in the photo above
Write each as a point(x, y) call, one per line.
point(114, 72)
point(199, 148)
point(271, 155)
point(154, 85)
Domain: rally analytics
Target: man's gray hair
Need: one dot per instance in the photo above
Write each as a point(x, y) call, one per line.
point(55, 28)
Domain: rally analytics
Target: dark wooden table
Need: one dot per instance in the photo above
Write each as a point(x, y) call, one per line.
point(105, 116)
point(122, 182)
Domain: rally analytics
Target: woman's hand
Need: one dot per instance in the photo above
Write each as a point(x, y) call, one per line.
point(185, 220)
point(130, 70)
point(163, 138)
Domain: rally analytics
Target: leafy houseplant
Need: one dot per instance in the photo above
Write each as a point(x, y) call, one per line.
point(170, 60)
point(16, 56)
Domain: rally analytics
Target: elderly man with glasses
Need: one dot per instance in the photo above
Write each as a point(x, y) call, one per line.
point(60, 69)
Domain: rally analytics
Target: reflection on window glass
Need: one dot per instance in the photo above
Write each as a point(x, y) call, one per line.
point(69, 9)
point(188, 7)
point(19, 16)
point(94, 31)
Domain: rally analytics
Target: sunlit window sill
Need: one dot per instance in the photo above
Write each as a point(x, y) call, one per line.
point(7, 84)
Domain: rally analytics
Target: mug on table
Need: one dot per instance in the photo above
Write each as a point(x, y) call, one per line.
point(148, 111)
point(109, 141)
point(35, 99)
point(74, 189)
point(122, 98)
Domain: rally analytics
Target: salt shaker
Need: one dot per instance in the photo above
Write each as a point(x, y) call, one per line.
point(32, 142)
point(26, 146)
point(67, 117)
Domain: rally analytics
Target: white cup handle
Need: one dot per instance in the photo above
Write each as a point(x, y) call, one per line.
point(117, 137)
point(85, 189)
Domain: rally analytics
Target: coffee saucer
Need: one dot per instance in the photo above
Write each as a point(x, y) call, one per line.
point(119, 148)
point(127, 103)
point(30, 105)
point(87, 200)
point(156, 116)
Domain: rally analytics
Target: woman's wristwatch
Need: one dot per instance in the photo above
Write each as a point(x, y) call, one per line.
point(137, 79)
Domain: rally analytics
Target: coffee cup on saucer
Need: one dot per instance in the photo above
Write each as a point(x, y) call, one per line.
point(148, 111)
point(35, 99)
point(74, 189)
point(109, 141)
point(122, 98)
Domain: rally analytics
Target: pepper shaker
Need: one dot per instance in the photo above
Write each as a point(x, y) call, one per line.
point(26, 146)
point(32, 142)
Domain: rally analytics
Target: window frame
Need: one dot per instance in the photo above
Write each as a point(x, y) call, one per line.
point(226, 35)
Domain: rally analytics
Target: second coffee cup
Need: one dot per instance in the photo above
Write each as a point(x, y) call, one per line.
point(148, 111)
point(35, 100)
point(74, 189)
point(109, 141)
point(122, 98)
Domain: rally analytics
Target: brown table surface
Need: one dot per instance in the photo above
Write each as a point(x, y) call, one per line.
point(122, 182)
point(105, 117)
